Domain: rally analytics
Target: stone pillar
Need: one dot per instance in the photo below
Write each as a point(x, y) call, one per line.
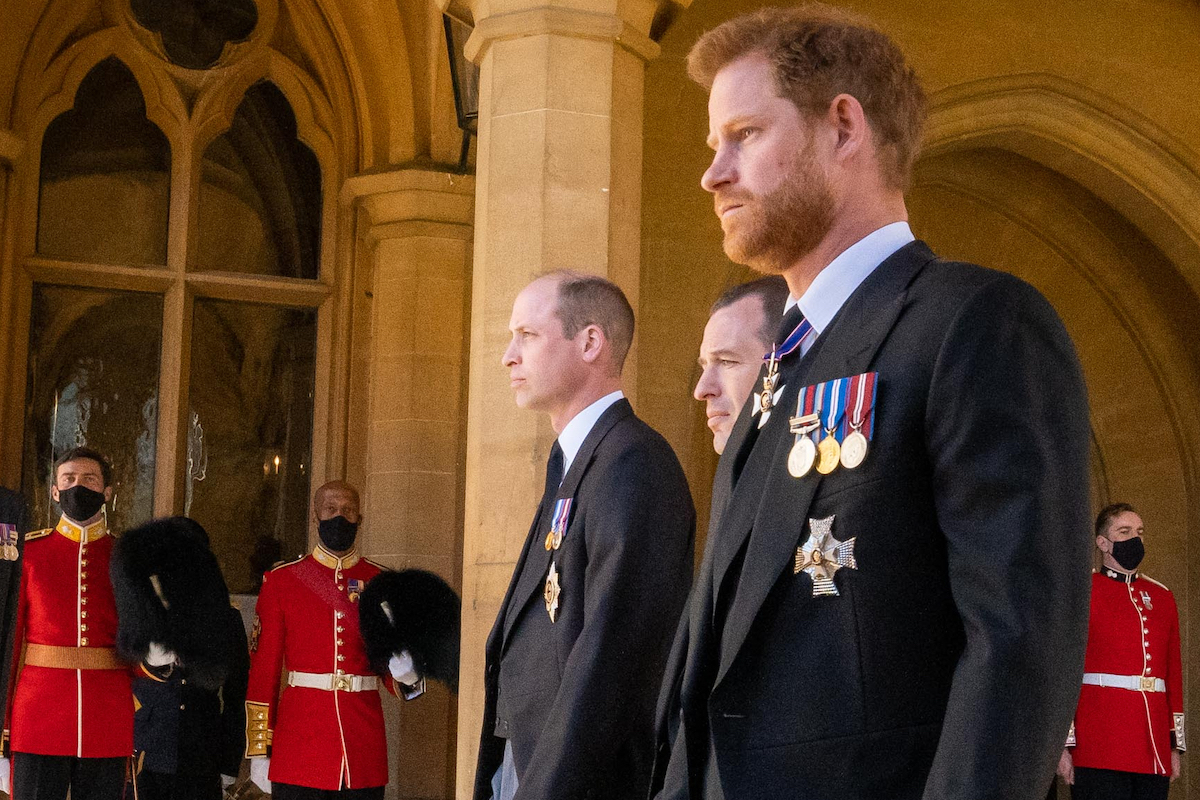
point(418, 244)
point(11, 362)
point(559, 185)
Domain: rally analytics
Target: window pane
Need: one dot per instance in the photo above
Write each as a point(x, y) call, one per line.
point(250, 436)
point(260, 193)
point(93, 379)
point(194, 32)
point(105, 176)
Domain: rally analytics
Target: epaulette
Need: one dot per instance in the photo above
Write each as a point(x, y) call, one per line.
point(1156, 583)
point(282, 564)
point(44, 532)
point(383, 567)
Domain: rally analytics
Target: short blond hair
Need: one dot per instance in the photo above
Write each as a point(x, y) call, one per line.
point(817, 52)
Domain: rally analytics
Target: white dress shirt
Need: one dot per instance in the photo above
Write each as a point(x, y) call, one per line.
point(575, 431)
point(833, 285)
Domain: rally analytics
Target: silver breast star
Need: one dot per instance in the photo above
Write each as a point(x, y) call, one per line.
point(822, 555)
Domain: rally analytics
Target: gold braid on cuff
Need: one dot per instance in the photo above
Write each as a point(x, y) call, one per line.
point(258, 734)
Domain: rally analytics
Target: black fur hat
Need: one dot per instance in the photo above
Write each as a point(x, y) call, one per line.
point(412, 610)
point(169, 589)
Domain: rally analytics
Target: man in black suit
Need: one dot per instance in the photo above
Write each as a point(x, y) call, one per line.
point(577, 652)
point(13, 526)
point(893, 599)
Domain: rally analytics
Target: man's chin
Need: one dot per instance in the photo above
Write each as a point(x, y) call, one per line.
point(758, 259)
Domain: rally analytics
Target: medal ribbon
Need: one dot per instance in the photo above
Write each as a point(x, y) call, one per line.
point(862, 390)
point(831, 392)
point(804, 407)
point(562, 511)
point(792, 341)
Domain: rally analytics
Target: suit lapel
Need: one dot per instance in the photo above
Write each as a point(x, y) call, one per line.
point(780, 511)
point(531, 572)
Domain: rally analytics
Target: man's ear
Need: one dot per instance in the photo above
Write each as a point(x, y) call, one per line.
point(593, 343)
point(849, 120)
point(108, 494)
point(1103, 544)
point(54, 492)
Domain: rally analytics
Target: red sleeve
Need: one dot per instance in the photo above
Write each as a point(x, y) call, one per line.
point(266, 663)
point(1174, 666)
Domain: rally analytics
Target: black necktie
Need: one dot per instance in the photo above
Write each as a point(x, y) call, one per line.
point(554, 472)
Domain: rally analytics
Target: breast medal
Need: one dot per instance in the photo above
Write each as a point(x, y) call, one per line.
point(558, 523)
point(829, 452)
point(552, 591)
point(801, 457)
point(854, 447)
point(803, 453)
point(8, 541)
point(822, 555)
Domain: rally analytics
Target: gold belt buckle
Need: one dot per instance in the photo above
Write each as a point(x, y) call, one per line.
point(1147, 683)
point(342, 683)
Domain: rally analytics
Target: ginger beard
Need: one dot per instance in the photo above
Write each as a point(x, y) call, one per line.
point(776, 229)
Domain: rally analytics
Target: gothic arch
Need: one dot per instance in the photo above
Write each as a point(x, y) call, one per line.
point(1140, 170)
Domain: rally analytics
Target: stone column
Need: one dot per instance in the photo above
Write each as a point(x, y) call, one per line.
point(559, 185)
point(10, 361)
point(418, 245)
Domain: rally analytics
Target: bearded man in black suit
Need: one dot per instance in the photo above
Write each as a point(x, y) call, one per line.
point(893, 599)
point(578, 649)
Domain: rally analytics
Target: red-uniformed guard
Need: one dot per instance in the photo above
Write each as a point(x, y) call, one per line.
point(1129, 727)
point(70, 710)
point(324, 736)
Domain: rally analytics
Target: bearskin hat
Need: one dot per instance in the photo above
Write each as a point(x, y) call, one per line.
point(412, 610)
point(169, 589)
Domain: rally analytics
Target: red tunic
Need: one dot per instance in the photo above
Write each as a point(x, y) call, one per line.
point(66, 600)
point(308, 622)
point(1133, 630)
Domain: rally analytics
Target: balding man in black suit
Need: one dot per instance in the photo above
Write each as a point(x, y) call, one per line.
point(577, 652)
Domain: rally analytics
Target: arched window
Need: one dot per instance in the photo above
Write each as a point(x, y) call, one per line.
point(174, 317)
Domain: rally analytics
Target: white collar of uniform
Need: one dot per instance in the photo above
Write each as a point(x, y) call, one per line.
point(833, 285)
point(575, 431)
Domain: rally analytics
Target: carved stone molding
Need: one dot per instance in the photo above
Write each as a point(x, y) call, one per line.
point(1140, 170)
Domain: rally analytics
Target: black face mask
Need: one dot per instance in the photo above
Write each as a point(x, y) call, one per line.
point(337, 533)
point(80, 503)
point(1129, 553)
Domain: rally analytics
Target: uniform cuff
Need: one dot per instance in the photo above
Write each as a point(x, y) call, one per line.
point(258, 731)
point(1178, 733)
point(1070, 736)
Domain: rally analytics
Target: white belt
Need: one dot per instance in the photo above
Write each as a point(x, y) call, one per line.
point(331, 682)
point(1136, 683)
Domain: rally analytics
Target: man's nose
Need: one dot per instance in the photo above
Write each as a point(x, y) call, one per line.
point(720, 172)
point(706, 387)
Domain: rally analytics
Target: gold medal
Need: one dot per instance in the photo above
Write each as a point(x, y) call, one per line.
point(550, 540)
point(802, 457)
point(854, 449)
point(828, 454)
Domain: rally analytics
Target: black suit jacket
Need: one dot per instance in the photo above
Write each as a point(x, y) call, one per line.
point(950, 662)
point(12, 512)
point(586, 728)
